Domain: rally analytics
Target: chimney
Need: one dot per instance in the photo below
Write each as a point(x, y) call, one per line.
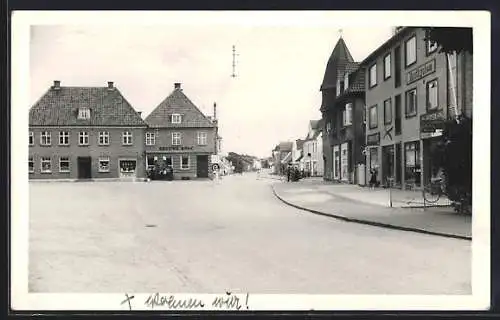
point(177, 86)
point(110, 85)
point(57, 85)
point(215, 111)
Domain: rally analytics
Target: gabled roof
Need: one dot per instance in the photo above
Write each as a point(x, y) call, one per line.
point(286, 146)
point(339, 60)
point(178, 103)
point(59, 107)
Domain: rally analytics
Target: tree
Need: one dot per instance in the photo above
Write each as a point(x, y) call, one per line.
point(451, 39)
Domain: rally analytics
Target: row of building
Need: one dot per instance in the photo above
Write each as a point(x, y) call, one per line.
point(386, 113)
point(94, 132)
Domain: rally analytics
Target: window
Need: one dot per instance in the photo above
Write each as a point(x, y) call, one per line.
point(127, 138)
point(63, 138)
point(45, 139)
point(84, 113)
point(184, 162)
point(31, 138)
point(103, 138)
point(176, 118)
point(46, 165)
point(31, 165)
point(83, 138)
point(64, 164)
point(328, 127)
point(432, 95)
point(150, 138)
point(374, 159)
point(176, 138)
point(387, 66)
point(346, 81)
point(104, 164)
point(347, 115)
point(373, 117)
point(412, 162)
point(202, 138)
point(411, 51)
point(373, 75)
point(388, 111)
point(411, 103)
point(431, 46)
point(127, 166)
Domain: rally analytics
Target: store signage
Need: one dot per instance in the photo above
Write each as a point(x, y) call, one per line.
point(421, 71)
point(373, 139)
point(175, 148)
point(432, 121)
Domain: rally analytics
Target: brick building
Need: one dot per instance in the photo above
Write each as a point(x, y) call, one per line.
point(85, 133)
point(342, 110)
point(409, 85)
point(180, 135)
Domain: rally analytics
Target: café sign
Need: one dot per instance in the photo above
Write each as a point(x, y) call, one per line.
point(373, 139)
point(421, 71)
point(176, 148)
point(432, 122)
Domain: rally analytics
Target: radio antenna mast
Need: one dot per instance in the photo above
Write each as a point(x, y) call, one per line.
point(234, 62)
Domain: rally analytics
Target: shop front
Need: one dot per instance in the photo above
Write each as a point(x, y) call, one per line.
point(431, 128)
point(387, 164)
point(413, 167)
point(344, 162)
point(372, 153)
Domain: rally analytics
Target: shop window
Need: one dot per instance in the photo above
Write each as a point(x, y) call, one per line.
point(184, 162)
point(104, 164)
point(388, 111)
point(411, 103)
point(373, 76)
point(127, 166)
point(46, 165)
point(373, 117)
point(432, 95)
point(31, 165)
point(412, 163)
point(411, 51)
point(104, 138)
point(64, 164)
point(374, 159)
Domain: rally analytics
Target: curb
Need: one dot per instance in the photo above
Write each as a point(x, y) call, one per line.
point(372, 223)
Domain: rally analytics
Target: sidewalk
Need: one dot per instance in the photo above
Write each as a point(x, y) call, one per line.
point(362, 205)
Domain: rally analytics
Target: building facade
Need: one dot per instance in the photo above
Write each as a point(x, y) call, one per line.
point(85, 133)
point(181, 136)
point(342, 110)
point(409, 85)
point(313, 149)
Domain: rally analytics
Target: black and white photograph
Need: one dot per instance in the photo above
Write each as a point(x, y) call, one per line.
point(244, 160)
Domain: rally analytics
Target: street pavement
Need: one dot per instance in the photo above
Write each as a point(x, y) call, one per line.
point(207, 237)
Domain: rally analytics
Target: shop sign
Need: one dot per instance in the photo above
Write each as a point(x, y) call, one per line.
point(432, 121)
point(421, 71)
point(176, 148)
point(373, 139)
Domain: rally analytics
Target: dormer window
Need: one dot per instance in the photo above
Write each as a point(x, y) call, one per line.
point(176, 118)
point(84, 113)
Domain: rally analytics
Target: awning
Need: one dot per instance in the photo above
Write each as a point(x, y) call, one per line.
point(287, 158)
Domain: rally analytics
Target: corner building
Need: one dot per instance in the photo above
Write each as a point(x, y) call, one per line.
point(85, 133)
point(411, 89)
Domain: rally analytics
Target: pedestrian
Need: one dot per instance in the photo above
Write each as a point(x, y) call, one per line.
point(288, 173)
point(373, 178)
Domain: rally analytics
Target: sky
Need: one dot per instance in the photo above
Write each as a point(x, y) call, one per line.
point(279, 69)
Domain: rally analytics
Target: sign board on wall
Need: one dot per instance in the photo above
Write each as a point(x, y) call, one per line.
point(432, 121)
point(421, 71)
point(373, 139)
point(176, 148)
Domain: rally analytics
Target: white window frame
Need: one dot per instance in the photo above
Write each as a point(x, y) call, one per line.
point(427, 89)
point(105, 159)
point(387, 68)
point(31, 140)
point(62, 136)
point(388, 102)
point(104, 135)
point(373, 119)
point(42, 161)
point(409, 50)
point(347, 115)
point(150, 138)
point(202, 138)
point(48, 138)
point(431, 46)
point(346, 81)
point(85, 136)
point(372, 75)
point(69, 163)
point(31, 161)
point(411, 114)
point(84, 113)
point(127, 138)
point(177, 117)
point(189, 162)
point(176, 138)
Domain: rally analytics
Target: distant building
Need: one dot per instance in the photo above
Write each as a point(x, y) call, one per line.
point(181, 136)
point(313, 149)
point(85, 133)
point(282, 155)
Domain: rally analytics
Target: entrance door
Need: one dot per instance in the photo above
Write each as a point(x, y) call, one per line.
point(84, 167)
point(202, 166)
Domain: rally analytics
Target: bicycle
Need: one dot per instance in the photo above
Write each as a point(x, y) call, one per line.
point(434, 191)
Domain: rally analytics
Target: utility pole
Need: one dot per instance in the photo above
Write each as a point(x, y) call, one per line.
point(234, 62)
